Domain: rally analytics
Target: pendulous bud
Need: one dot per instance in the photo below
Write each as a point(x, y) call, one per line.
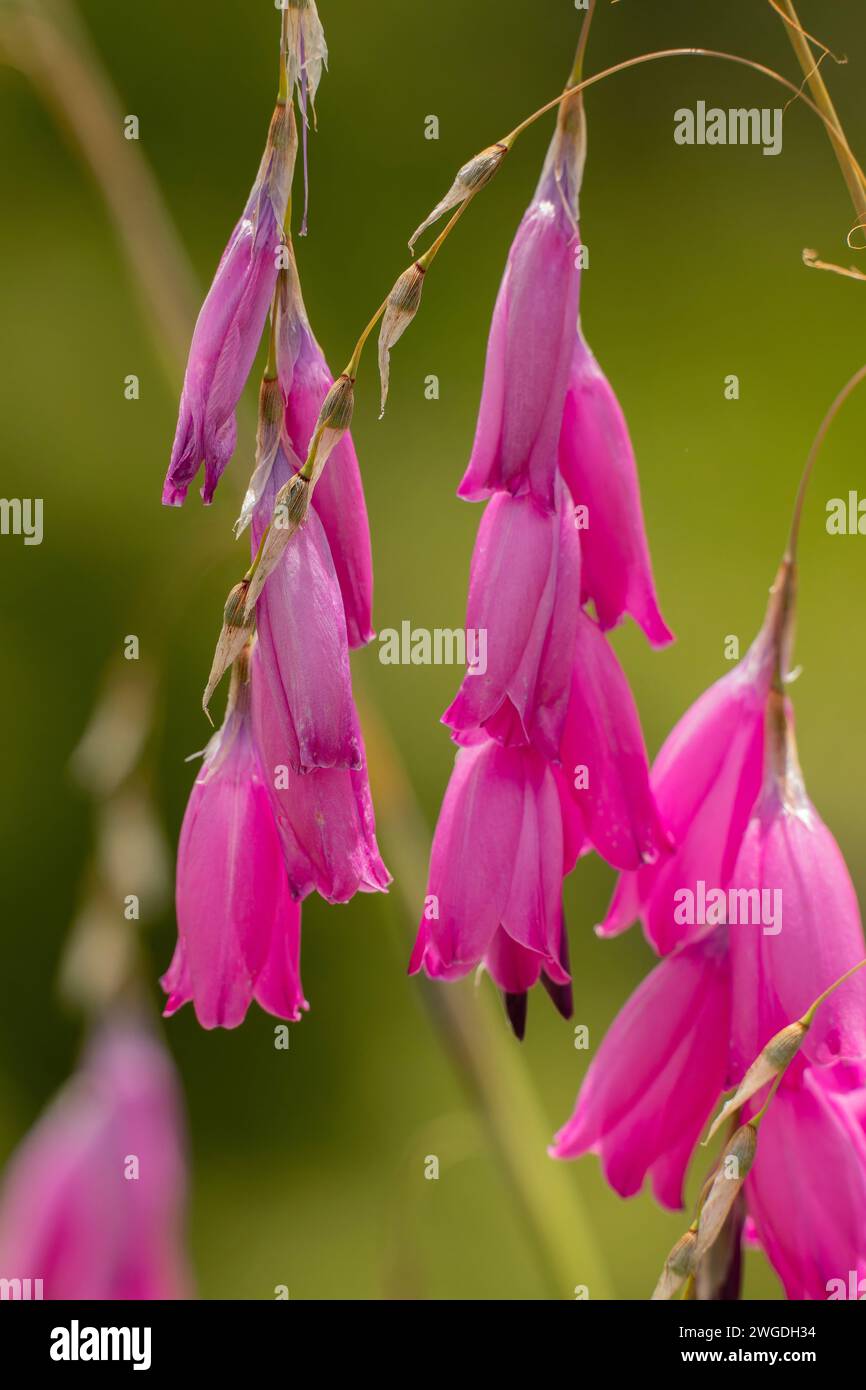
point(470, 178)
point(335, 417)
point(730, 1176)
point(236, 629)
point(291, 506)
point(403, 304)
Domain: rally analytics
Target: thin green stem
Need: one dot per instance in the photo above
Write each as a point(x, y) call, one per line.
point(577, 69)
point(810, 1013)
point(841, 398)
point(283, 91)
point(832, 126)
point(351, 370)
point(434, 248)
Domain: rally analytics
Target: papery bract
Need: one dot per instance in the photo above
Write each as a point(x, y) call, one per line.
point(524, 597)
point(71, 1213)
point(657, 1075)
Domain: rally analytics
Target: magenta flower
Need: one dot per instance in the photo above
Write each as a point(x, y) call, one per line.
point(302, 644)
point(230, 324)
point(806, 1192)
point(528, 357)
point(339, 494)
point(239, 928)
point(705, 781)
point(604, 772)
point(597, 461)
point(325, 817)
point(546, 403)
point(338, 497)
point(93, 1200)
point(653, 1082)
point(496, 867)
point(523, 609)
point(803, 929)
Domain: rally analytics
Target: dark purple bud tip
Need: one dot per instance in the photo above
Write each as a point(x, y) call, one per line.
point(515, 1007)
point(562, 996)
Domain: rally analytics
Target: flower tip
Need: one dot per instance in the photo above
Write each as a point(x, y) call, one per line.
point(516, 1008)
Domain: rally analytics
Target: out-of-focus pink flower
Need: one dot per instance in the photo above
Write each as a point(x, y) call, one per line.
point(802, 929)
point(528, 357)
point(496, 866)
point(604, 770)
point(705, 781)
point(656, 1077)
point(806, 1191)
point(302, 645)
point(239, 928)
point(93, 1200)
point(597, 461)
point(325, 817)
point(523, 607)
point(229, 327)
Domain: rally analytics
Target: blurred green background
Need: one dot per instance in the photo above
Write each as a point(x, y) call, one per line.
point(307, 1166)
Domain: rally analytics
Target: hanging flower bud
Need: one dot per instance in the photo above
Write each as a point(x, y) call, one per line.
point(730, 1176)
point(305, 380)
point(469, 180)
point(229, 327)
point(324, 817)
point(335, 417)
point(301, 642)
point(774, 1058)
point(524, 606)
point(403, 304)
point(496, 868)
point(290, 512)
point(236, 629)
point(679, 1265)
point(239, 926)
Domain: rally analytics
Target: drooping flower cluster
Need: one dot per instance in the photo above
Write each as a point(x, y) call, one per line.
point(93, 1200)
point(282, 806)
point(552, 761)
point(754, 915)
